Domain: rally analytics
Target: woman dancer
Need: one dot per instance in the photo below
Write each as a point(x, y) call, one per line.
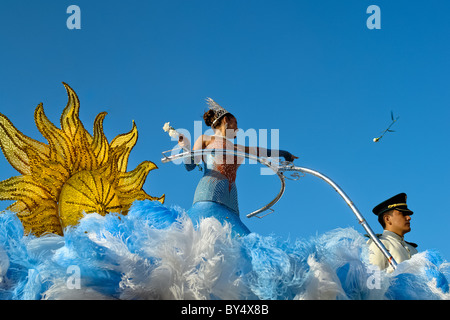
point(216, 193)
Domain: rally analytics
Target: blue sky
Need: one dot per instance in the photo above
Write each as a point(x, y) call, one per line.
point(310, 69)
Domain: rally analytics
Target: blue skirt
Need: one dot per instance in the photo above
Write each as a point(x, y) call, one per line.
point(207, 209)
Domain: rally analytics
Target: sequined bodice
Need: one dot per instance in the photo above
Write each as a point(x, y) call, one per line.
point(218, 181)
point(226, 165)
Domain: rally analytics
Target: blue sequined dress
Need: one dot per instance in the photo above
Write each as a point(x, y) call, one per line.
point(216, 193)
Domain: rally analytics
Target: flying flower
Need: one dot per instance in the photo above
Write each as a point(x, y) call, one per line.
point(388, 128)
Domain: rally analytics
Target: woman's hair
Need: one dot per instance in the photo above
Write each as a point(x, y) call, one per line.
point(210, 116)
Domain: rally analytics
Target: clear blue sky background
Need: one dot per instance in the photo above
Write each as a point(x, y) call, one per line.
point(311, 69)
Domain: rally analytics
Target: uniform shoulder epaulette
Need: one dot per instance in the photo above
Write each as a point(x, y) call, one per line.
point(378, 235)
point(415, 245)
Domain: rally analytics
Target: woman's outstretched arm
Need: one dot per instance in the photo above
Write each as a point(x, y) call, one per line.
point(264, 152)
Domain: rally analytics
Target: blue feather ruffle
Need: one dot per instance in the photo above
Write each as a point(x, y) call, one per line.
point(156, 252)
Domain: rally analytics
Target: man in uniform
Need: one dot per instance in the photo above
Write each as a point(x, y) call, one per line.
point(395, 218)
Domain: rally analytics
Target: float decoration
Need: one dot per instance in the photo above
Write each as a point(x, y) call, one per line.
point(75, 173)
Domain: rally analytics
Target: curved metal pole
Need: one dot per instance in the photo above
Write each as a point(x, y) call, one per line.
point(261, 160)
point(279, 169)
point(355, 210)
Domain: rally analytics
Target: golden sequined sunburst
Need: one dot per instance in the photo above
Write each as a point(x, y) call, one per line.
point(75, 173)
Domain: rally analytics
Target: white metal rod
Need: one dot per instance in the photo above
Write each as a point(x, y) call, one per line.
point(279, 169)
point(355, 210)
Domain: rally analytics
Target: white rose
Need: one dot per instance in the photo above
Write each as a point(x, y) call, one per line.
point(173, 133)
point(166, 126)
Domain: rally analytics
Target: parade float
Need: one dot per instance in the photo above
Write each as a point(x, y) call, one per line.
point(82, 227)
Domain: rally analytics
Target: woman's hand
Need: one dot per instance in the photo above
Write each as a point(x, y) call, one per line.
point(289, 157)
point(263, 152)
point(184, 142)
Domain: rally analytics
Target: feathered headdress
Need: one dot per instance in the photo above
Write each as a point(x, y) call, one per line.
point(218, 110)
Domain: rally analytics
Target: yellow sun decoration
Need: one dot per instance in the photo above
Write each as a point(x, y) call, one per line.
point(75, 173)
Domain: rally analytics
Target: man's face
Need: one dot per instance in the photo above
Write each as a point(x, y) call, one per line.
point(398, 222)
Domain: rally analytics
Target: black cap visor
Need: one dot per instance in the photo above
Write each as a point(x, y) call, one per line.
point(405, 211)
